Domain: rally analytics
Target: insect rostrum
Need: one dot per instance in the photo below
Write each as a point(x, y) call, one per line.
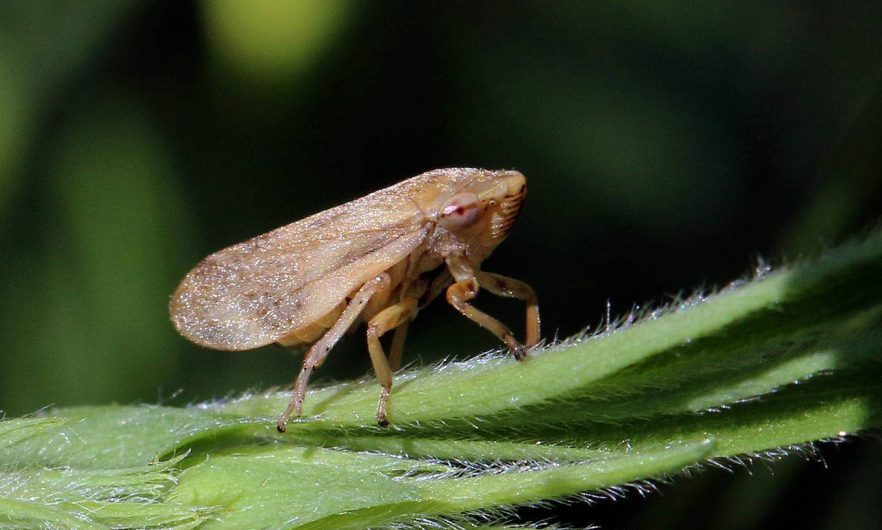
point(377, 259)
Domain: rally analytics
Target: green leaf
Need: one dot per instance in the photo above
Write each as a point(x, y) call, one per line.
point(761, 368)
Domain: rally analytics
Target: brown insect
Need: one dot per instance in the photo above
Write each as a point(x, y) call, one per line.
point(377, 259)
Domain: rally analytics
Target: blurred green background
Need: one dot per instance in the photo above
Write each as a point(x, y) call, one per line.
point(667, 147)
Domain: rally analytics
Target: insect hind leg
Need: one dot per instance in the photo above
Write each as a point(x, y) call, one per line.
point(320, 350)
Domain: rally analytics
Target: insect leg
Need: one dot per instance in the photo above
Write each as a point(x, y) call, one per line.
point(390, 318)
point(319, 351)
point(459, 294)
point(397, 349)
point(510, 288)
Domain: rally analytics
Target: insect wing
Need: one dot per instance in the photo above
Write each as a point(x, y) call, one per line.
point(256, 292)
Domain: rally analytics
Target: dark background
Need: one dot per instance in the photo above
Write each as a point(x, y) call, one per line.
point(667, 146)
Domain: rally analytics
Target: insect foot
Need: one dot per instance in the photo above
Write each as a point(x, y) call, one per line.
point(517, 349)
point(382, 419)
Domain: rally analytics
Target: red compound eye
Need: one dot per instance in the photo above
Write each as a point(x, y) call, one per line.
point(461, 211)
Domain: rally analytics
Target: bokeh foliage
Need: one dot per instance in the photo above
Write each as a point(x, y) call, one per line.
point(666, 147)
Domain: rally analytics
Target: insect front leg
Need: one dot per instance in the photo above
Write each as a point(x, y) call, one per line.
point(319, 351)
point(459, 294)
point(390, 318)
point(510, 288)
